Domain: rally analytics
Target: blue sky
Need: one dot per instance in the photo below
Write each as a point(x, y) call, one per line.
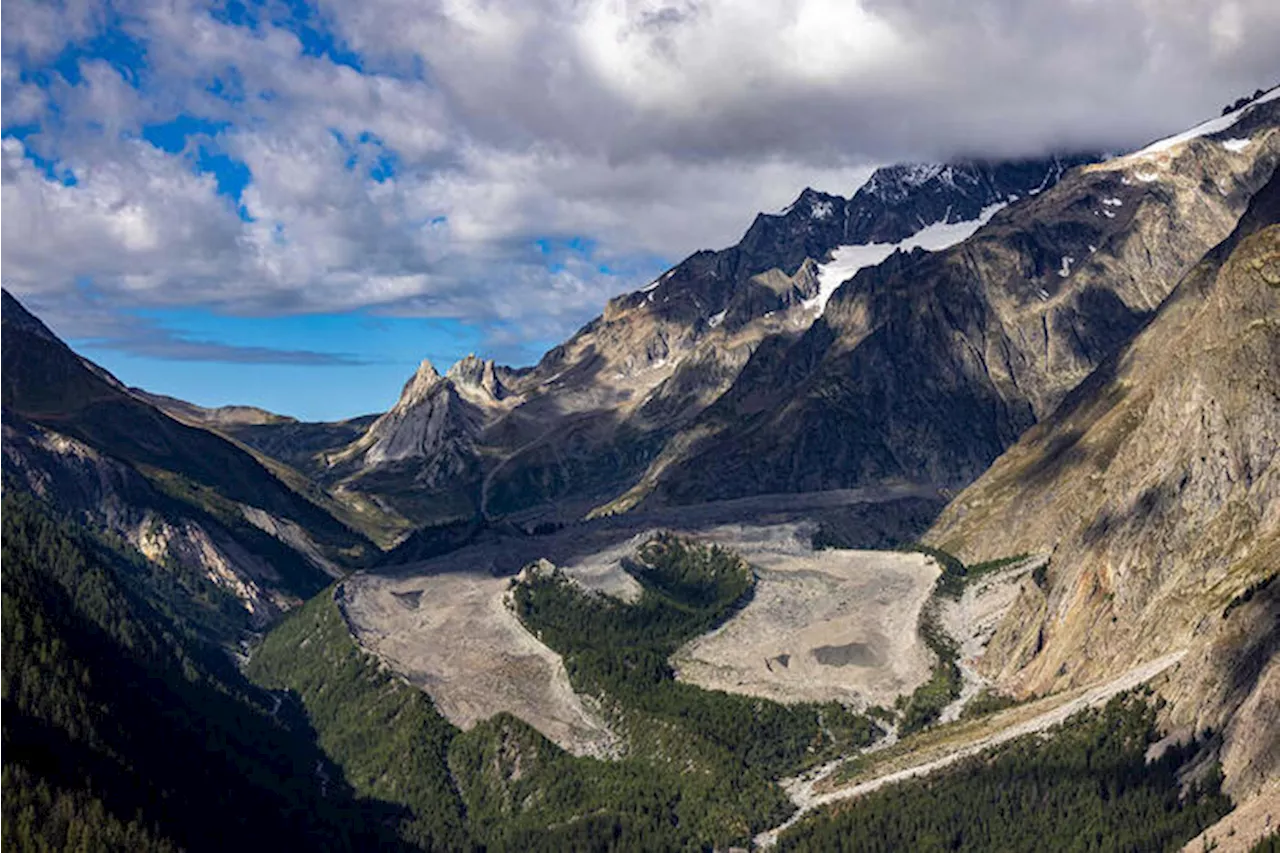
point(348, 364)
point(290, 204)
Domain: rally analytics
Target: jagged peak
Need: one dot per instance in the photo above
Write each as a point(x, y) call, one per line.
point(894, 183)
point(423, 382)
point(474, 376)
point(815, 203)
point(469, 370)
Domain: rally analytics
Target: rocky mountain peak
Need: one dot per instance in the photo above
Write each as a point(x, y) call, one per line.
point(894, 183)
point(814, 204)
point(473, 376)
point(420, 385)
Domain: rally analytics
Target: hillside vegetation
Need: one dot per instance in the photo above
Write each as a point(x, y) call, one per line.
point(124, 730)
point(620, 651)
point(1087, 787)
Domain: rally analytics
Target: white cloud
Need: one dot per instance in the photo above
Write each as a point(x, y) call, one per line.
point(652, 128)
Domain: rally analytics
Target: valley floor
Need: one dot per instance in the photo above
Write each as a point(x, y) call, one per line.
point(823, 625)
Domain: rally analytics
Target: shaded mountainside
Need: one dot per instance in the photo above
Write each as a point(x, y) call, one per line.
point(124, 730)
point(927, 366)
point(1156, 486)
point(293, 451)
point(182, 495)
point(582, 426)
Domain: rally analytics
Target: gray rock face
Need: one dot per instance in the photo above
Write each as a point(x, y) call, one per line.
point(431, 431)
point(1156, 485)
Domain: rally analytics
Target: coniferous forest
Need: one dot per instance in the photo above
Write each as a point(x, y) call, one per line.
point(1088, 787)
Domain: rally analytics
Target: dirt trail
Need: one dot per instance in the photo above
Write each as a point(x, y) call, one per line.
point(1063, 706)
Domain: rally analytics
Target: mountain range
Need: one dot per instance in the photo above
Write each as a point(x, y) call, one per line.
point(1058, 378)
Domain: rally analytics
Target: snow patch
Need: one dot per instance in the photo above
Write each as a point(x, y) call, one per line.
point(649, 288)
point(1213, 125)
point(1065, 269)
point(847, 260)
point(820, 210)
point(717, 319)
point(1112, 202)
point(1235, 146)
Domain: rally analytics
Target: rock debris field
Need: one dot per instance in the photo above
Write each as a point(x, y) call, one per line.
point(822, 625)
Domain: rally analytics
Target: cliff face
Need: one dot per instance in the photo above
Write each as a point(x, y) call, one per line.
point(1156, 487)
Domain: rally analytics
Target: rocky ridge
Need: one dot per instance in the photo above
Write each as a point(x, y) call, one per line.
point(928, 365)
point(187, 499)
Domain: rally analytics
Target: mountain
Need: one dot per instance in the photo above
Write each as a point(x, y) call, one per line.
point(911, 332)
point(927, 366)
point(427, 443)
point(1084, 647)
point(125, 729)
point(1155, 487)
point(582, 426)
point(183, 496)
point(210, 417)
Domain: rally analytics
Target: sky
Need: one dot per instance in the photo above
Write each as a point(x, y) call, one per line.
point(290, 204)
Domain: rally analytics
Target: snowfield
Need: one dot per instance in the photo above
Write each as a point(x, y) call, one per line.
point(847, 260)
